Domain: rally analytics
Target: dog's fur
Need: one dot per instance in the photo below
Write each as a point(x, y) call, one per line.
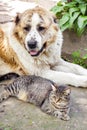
point(32, 45)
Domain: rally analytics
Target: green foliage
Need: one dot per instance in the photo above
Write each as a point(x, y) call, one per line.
point(72, 15)
point(8, 129)
point(77, 59)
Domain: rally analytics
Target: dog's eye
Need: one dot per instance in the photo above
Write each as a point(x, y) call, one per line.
point(27, 28)
point(41, 28)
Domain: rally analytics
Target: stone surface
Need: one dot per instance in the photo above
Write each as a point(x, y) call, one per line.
point(72, 43)
point(17, 115)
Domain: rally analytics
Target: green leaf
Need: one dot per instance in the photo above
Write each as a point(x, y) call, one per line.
point(85, 49)
point(64, 26)
point(64, 19)
point(71, 10)
point(56, 9)
point(82, 20)
point(71, 4)
point(72, 15)
point(80, 1)
point(85, 56)
point(76, 54)
point(64, 0)
point(82, 8)
point(60, 3)
point(73, 18)
point(80, 31)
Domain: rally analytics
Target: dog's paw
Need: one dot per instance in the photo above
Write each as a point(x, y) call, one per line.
point(81, 81)
point(83, 84)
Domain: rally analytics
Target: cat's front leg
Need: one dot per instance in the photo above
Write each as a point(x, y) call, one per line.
point(62, 115)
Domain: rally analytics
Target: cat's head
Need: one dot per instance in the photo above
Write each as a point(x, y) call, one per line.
point(60, 95)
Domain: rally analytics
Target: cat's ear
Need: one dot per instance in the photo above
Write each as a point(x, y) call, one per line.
point(53, 87)
point(68, 91)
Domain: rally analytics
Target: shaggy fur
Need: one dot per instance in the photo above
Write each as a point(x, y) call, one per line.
point(32, 45)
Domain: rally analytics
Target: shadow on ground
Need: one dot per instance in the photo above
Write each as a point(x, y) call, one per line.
point(17, 115)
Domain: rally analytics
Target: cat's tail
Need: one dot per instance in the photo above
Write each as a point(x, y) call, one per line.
point(8, 76)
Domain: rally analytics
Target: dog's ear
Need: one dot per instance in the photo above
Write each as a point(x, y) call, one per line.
point(55, 20)
point(17, 18)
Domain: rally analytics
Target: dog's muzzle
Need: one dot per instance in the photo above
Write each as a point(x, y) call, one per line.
point(32, 45)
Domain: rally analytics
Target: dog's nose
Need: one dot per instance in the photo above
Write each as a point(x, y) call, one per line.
point(32, 44)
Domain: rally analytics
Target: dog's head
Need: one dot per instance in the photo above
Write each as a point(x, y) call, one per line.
point(35, 29)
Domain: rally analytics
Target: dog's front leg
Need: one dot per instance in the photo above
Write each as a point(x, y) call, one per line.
point(67, 67)
point(65, 78)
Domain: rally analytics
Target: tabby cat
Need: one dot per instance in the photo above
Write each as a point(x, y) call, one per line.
point(51, 98)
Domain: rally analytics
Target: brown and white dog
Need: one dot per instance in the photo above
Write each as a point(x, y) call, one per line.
point(32, 45)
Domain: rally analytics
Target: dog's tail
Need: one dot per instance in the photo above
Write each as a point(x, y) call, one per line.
point(8, 76)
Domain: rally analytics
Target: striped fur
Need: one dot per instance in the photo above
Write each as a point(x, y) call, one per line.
point(52, 99)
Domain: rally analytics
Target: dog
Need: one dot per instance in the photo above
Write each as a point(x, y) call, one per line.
point(32, 45)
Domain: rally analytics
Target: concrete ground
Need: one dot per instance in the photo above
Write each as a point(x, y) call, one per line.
point(17, 115)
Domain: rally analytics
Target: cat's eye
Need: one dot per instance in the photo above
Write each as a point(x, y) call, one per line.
point(66, 94)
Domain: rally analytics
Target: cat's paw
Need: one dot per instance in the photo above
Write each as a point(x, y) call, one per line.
point(65, 117)
point(61, 115)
